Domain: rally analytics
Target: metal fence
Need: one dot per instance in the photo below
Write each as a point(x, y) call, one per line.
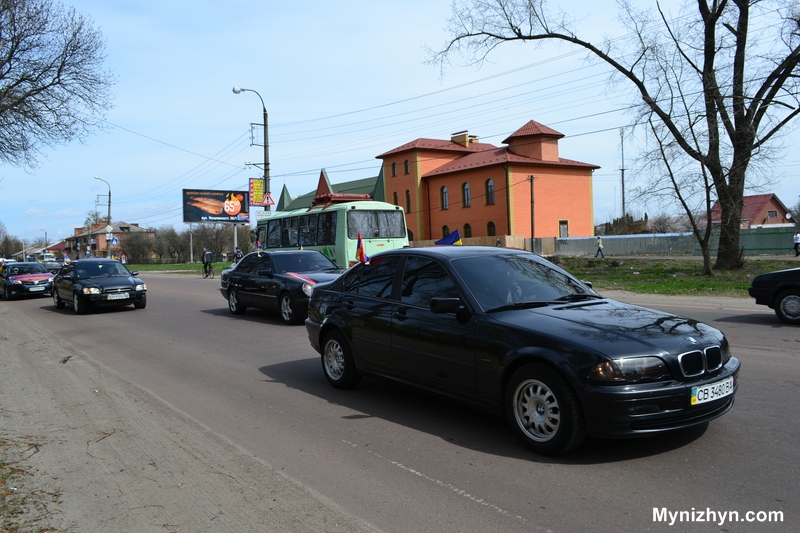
point(760, 241)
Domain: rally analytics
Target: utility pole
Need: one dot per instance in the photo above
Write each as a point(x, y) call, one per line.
point(622, 169)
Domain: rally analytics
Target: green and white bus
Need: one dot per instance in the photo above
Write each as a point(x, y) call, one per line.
point(332, 224)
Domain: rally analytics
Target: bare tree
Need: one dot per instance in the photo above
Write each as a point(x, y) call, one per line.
point(53, 88)
point(215, 237)
point(139, 247)
point(744, 91)
point(92, 217)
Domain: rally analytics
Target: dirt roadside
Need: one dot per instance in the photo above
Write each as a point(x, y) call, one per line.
point(92, 453)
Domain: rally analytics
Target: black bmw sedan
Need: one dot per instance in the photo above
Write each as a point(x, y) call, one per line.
point(279, 280)
point(509, 331)
point(98, 283)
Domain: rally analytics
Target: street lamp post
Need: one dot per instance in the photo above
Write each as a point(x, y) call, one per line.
point(108, 221)
point(45, 239)
point(239, 90)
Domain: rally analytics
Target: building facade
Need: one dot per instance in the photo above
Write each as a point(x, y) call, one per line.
point(524, 188)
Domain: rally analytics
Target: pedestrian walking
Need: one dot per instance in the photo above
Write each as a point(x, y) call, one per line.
point(600, 248)
point(796, 243)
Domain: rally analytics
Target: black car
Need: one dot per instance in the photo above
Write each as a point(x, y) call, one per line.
point(280, 280)
point(24, 278)
point(779, 291)
point(52, 266)
point(97, 283)
point(509, 331)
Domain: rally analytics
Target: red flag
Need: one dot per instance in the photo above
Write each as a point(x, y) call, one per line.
point(361, 252)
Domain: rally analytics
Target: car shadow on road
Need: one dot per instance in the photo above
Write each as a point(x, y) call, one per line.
point(254, 315)
point(458, 424)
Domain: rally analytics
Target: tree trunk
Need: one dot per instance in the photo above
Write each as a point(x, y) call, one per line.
point(728, 254)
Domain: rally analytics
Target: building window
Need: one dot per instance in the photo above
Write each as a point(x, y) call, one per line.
point(772, 214)
point(465, 199)
point(407, 167)
point(408, 201)
point(467, 230)
point(394, 198)
point(445, 231)
point(394, 169)
point(491, 231)
point(445, 199)
point(489, 192)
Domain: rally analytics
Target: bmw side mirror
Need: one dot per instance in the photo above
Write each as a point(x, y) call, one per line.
point(445, 305)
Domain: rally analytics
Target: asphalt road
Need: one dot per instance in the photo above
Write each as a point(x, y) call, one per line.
point(408, 461)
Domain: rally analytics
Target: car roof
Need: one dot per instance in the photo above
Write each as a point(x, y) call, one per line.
point(283, 252)
point(95, 260)
point(456, 251)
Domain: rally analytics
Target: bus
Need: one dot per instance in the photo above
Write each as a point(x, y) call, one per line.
point(332, 225)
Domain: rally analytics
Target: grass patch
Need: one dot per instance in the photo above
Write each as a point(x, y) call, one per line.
point(668, 276)
point(179, 268)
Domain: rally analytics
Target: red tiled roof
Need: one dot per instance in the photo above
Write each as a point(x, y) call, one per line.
point(439, 144)
point(499, 156)
point(533, 128)
point(752, 206)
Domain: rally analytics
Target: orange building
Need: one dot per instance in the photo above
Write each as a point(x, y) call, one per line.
point(524, 188)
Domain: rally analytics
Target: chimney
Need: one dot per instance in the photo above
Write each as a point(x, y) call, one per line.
point(462, 137)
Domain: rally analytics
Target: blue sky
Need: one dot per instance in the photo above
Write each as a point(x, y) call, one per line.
point(342, 82)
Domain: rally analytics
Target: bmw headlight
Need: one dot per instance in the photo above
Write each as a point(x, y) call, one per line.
point(91, 290)
point(140, 287)
point(308, 289)
point(630, 369)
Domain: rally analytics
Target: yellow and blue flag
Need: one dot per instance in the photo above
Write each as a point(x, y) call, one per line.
point(453, 238)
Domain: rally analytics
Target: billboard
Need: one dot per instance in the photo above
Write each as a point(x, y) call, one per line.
point(256, 191)
point(215, 206)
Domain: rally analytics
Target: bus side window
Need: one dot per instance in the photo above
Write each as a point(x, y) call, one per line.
point(326, 228)
point(308, 230)
point(274, 234)
point(289, 236)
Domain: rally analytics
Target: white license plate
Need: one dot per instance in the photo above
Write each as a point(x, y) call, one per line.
point(712, 391)
point(33, 289)
point(118, 296)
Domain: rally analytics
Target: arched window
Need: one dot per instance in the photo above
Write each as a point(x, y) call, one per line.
point(394, 169)
point(491, 231)
point(406, 167)
point(394, 198)
point(408, 201)
point(467, 230)
point(465, 199)
point(445, 231)
point(489, 192)
point(445, 199)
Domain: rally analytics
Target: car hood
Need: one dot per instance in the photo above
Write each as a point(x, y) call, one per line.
point(615, 328)
point(39, 276)
point(111, 281)
point(314, 277)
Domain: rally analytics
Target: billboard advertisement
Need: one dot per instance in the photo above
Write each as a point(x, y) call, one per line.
point(256, 191)
point(215, 206)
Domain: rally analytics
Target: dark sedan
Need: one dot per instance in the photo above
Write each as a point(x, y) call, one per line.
point(779, 291)
point(19, 279)
point(98, 283)
point(280, 280)
point(509, 331)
